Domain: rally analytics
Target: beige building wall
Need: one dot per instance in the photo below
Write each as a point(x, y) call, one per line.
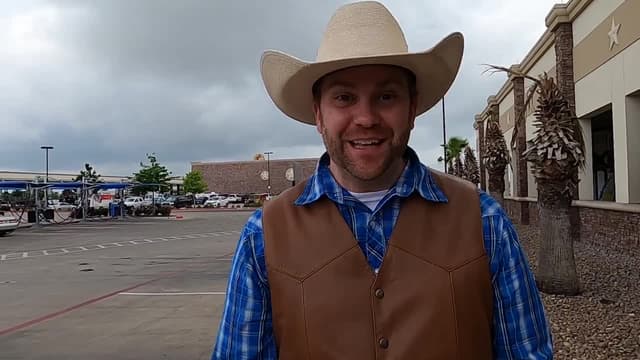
point(547, 62)
point(633, 145)
point(507, 115)
point(507, 122)
point(597, 12)
point(606, 76)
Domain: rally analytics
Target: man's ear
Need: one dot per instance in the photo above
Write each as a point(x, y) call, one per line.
point(318, 116)
point(412, 111)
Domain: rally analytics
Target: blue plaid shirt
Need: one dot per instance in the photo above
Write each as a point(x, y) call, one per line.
point(521, 330)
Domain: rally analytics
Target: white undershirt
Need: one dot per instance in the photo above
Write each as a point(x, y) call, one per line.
point(371, 199)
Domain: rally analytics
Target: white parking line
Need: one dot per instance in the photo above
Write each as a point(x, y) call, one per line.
point(172, 294)
point(90, 247)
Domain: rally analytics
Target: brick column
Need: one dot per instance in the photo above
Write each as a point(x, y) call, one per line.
point(479, 126)
point(564, 62)
point(521, 173)
point(496, 185)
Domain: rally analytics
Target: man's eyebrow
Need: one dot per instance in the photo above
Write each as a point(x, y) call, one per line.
point(338, 83)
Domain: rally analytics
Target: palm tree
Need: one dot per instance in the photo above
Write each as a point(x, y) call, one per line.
point(472, 172)
point(556, 153)
point(458, 169)
point(496, 157)
point(453, 150)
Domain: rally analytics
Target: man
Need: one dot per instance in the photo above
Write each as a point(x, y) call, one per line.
point(376, 256)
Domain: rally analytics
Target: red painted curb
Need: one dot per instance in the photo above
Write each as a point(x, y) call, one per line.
point(74, 307)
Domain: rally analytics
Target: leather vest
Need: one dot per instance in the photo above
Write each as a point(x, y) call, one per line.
point(432, 297)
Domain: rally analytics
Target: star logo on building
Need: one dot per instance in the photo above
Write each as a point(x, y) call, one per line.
point(613, 33)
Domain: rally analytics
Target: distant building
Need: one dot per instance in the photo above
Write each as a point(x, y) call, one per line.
point(251, 177)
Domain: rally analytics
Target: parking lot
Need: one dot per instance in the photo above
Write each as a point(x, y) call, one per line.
point(138, 288)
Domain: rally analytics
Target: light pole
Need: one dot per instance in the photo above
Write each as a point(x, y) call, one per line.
point(444, 136)
point(268, 172)
point(46, 148)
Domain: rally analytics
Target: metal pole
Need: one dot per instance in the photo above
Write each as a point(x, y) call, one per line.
point(46, 148)
point(444, 136)
point(268, 172)
point(83, 197)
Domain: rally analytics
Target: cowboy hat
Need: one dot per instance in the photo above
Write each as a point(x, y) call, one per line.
point(361, 33)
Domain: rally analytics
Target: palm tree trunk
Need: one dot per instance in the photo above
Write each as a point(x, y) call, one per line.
point(496, 187)
point(556, 270)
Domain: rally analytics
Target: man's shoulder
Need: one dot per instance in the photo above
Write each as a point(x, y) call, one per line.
point(489, 206)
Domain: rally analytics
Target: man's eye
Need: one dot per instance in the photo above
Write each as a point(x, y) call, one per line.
point(387, 97)
point(343, 98)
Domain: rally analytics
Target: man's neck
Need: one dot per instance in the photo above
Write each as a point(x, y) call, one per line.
point(383, 182)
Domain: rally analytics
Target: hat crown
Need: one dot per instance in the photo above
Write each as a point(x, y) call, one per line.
point(361, 29)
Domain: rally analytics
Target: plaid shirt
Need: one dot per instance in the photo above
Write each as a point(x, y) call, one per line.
point(520, 328)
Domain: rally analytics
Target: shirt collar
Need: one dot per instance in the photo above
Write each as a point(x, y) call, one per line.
point(416, 177)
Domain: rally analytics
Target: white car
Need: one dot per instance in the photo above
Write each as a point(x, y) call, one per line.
point(8, 223)
point(216, 201)
point(134, 202)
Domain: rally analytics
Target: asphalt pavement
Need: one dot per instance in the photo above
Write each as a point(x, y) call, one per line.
point(138, 288)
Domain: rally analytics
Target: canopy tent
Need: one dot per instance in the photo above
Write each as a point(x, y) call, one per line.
point(14, 185)
point(110, 186)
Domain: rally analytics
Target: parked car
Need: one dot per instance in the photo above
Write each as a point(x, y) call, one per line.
point(234, 199)
point(134, 202)
point(183, 201)
point(8, 223)
point(216, 201)
point(62, 206)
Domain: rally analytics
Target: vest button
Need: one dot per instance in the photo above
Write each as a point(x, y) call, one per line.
point(383, 342)
point(379, 293)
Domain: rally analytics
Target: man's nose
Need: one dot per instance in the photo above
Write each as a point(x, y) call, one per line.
point(366, 114)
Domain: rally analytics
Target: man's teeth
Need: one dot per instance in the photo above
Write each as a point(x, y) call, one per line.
point(366, 142)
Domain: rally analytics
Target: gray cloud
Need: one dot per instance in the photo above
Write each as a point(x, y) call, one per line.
point(108, 81)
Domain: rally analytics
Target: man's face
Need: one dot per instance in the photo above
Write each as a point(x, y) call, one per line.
point(365, 115)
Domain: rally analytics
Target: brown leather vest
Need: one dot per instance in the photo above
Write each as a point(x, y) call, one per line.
point(432, 298)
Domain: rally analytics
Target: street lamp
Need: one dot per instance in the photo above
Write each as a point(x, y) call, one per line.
point(268, 172)
point(444, 136)
point(46, 148)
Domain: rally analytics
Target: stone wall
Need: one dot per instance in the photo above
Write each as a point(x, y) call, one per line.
point(614, 229)
point(610, 228)
point(243, 177)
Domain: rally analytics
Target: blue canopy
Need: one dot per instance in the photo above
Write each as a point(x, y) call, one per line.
point(14, 184)
point(111, 186)
point(65, 185)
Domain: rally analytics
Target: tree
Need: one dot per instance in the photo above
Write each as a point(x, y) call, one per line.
point(453, 149)
point(471, 169)
point(458, 169)
point(194, 183)
point(88, 174)
point(258, 156)
point(154, 174)
point(496, 157)
point(556, 152)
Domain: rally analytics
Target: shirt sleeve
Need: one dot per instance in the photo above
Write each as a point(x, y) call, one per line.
point(245, 330)
point(521, 329)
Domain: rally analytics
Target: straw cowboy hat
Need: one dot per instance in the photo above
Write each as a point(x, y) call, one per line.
point(359, 34)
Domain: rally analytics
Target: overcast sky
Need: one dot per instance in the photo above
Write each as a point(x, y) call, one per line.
point(108, 81)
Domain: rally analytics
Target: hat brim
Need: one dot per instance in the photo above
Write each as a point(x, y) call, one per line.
point(288, 80)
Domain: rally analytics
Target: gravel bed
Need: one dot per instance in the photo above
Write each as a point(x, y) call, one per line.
point(603, 321)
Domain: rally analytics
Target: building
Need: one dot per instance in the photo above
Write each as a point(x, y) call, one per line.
point(251, 177)
point(591, 48)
